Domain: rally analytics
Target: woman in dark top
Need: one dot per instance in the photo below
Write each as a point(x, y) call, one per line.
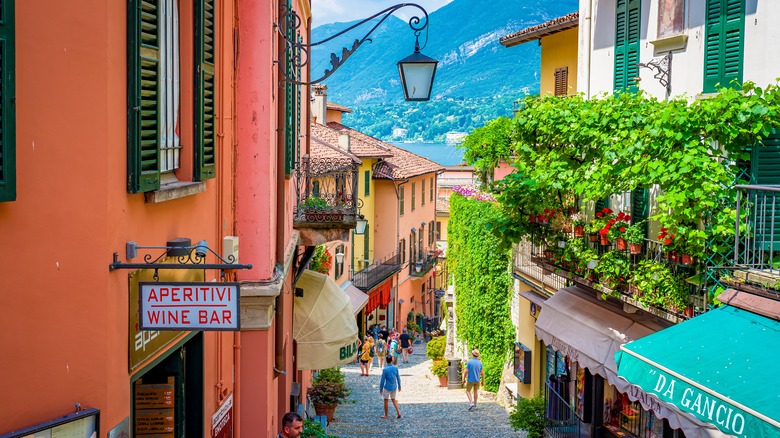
point(405, 344)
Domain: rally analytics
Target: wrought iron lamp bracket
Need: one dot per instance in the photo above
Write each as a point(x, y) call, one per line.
point(298, 52)
point(192, 257)
point(662, 67)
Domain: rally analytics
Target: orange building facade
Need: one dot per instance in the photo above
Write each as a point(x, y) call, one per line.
point(137, 124)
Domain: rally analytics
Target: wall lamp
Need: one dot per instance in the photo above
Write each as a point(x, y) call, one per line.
point(361, 223)
point(416, 70)
point(186, 256)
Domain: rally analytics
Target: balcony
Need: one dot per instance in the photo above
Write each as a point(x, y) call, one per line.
point(673, 290)
point(422, 265)
point(326, 199)
point(377, 272)
point(757, 241)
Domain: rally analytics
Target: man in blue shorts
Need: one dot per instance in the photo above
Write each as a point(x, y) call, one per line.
point(474, 376)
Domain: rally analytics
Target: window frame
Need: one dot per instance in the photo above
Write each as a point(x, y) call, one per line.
point(8, 102)
point(414, 193)
point(401, 200)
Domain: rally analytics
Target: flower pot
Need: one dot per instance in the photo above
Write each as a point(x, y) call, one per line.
point(686, 259)
point(593, 237)
point(326, 410)
point(673, 257)
point(532, 218)
point(443, 381)
point(621, 244)
point(635, 248)
point(603, 239)
point(579, 231)
point(549, 254)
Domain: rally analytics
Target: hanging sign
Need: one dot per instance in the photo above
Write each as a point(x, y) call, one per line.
point(189, 306)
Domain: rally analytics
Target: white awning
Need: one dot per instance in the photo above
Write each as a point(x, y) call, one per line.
point(324, 324)
point(357, 298)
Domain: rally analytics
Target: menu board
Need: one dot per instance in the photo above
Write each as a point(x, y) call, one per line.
point(81, 424)
point(155, 408)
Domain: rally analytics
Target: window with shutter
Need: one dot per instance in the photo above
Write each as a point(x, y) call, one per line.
point(414, 193)
point(422, 193)
point(205, 87)
point(601, 204)
point(561, 81)
point(7, 106)
point(432, 187)
point(291, 96)
point(723, 44)
point(765, 170)
point(156, 64)
point(367, 181)
point(640, 208)
point(401, 200)
point(627, 24)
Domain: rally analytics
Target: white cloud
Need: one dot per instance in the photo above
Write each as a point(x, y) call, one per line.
point(332, 11)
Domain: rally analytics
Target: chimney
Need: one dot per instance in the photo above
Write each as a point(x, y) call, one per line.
point(319, 106)
point(344, 141)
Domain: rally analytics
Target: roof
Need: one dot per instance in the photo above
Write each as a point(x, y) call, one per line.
point(321, 150)
point(360, 147)
point(559, 24)
point(397, 163)
point(443, 204)
point(337, 107)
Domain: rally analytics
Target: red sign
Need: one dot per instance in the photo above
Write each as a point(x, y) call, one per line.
point(189, 306)
point(222, 420)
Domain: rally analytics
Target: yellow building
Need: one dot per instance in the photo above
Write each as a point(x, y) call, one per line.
point(558, 76)
point(558, 39)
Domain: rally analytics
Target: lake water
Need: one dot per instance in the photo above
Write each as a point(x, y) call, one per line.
point(442, 153)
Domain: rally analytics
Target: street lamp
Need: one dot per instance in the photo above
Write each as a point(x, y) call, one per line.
point(362, 222)
point(339, 257)
point(416, 70)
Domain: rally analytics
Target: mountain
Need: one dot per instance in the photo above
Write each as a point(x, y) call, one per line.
point(477, 79)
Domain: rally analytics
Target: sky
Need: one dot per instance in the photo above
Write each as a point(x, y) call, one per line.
point(332, 11)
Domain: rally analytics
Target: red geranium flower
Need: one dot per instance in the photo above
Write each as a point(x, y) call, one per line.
point(599, 215)
point(622, 229)
point(667, 241)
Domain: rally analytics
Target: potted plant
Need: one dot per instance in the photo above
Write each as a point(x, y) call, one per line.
point(440, 368)
point(635, 236)
point(613, 269)
point(658, 286)
point(328, 389)
point(588, 261)
point(578, 221)
point(314, 203)
point(321, 260)
point(616, 228)
point(317, 209)
point(529, 416)
point(313, 429)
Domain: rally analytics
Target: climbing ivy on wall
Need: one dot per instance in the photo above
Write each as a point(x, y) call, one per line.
point(482, 280)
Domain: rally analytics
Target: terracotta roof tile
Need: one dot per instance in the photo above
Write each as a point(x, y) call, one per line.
point(360, 147)
point(548, 28)
point(443, 204)
point(322, 150)
point(337, 107)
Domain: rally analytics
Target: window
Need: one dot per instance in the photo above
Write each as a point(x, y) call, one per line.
point(157, 59)
point(366, 248)
point(422, 193)
point(420, 244)
point(413, 194)
point(339, 266)
point(7, 107)
point(412, 252)
point(367, 180)
point(438, 230)
point(627, 19)
point(401, 199)
point(724, 41)
point(402, 250)
point(430, 235)
point(561, 81)
point(432, 187)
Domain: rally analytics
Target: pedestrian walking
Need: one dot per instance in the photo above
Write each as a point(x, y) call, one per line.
point(381, 352)
point(474, 376)
point(365, 356)
point(389, 385)
point(372, 352)
point(405, 344)
point(392, 347)
point(384, 333)
point(292, 426)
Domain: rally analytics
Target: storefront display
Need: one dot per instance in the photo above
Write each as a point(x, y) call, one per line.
point(624, 418)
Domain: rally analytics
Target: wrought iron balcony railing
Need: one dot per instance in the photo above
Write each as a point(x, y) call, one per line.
point(377, 272)
point(326, 192)
point(757, 239)
point(423, 264)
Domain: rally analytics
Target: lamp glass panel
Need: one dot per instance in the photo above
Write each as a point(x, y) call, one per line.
point(360, 228)
point(418, 77)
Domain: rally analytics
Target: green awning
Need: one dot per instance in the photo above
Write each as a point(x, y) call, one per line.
point(721, 367)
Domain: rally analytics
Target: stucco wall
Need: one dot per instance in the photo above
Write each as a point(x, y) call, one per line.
point(558, 50)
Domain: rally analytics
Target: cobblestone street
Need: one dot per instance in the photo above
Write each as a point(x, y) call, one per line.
point(427, 410)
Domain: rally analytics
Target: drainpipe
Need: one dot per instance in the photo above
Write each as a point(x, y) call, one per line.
point(586, 25)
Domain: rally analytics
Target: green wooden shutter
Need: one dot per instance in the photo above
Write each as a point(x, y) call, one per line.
point(422, 193)
point(602, 203)
point(401, 199)
point(640, 209)
point(7, 102)
point(765, 170)
point(143, 91)
point(205, 90)
point(627, 25)
point(291, 100)
point(724, 42)
point(367, 182)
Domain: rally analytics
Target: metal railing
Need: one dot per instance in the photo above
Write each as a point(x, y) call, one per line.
point(757, 233)
point(523, 254)
point(424, 263)
point(375, 273)
point(326, 193)
point(561, 418)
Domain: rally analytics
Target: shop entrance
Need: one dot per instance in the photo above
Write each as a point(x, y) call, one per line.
point(167, 396)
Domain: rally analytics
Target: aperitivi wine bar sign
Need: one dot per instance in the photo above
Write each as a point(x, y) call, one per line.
point(189, 306)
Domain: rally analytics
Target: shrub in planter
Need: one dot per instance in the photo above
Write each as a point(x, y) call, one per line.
point(436, 347)
point(313, 429)
point(613, 269)
point(529, 416)
point(440, 369)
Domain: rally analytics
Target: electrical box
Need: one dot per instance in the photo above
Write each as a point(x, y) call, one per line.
point(230, 249)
